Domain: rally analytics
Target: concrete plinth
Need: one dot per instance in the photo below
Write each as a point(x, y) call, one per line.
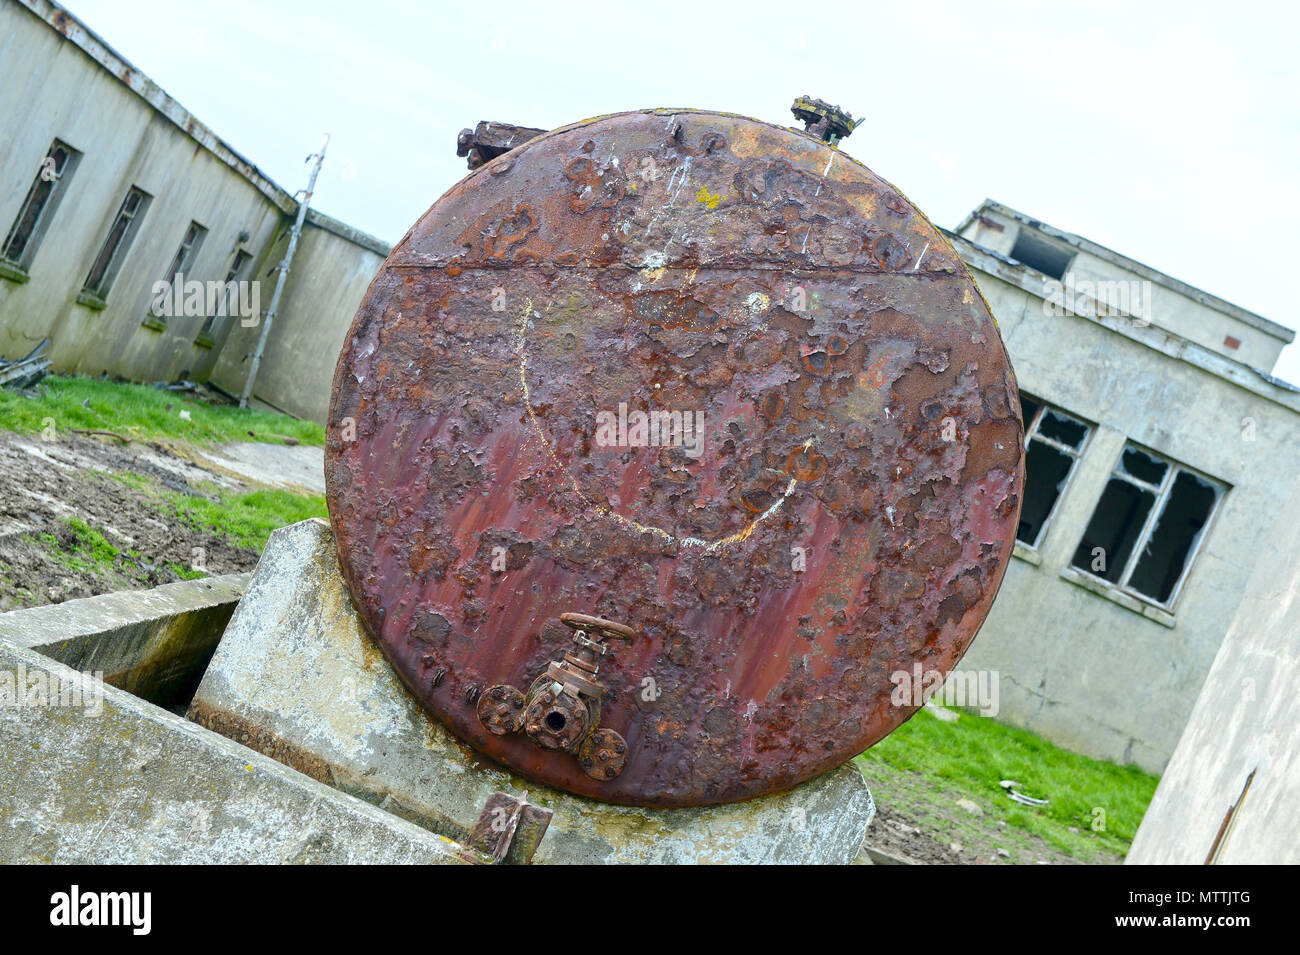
point(91, 774)
point(149, 642)
point(296, 677)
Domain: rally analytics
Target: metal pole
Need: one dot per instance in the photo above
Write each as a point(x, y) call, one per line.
point(284, 271)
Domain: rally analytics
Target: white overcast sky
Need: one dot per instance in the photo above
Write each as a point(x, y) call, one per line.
point(1167, 132)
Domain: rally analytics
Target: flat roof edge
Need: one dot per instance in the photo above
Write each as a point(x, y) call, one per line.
point(345, 231)
point(1265, 325)
point(63, 22)
point(1254, 380)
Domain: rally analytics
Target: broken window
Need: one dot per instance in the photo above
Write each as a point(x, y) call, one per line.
point(125, 225)
point(1053, 443)
point(1147, 525)
point(1047, 258)
point(180, 262)
point(43, 198)
point(225, 306)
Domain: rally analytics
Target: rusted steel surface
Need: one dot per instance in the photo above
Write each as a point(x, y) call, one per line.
point(851, 508)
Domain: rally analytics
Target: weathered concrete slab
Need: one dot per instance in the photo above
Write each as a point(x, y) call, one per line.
point(149, 642)
point(92, 774)
point(296, 677)
point(299, 467)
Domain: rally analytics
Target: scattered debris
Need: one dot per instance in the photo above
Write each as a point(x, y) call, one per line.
point(940, 712)
point(1003, 853)
point(26, 371)
point(286, 438)
point(1010, 786)
point(110, 434)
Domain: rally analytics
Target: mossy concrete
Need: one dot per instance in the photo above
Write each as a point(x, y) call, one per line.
point(151, 643)
point(95, 775)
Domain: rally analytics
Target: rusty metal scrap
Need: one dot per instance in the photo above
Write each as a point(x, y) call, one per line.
point(508, 831)
point(828, 123)
point(834, 501)
point(489, 140)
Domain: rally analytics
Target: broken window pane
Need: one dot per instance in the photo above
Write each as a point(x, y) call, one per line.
point(181, 260)
point(1164, 546)
point(1142, 466)
point(1038, 254)
point(1185, 514)
point(225, 307)
point(1028, 408)
point(1060, 428)
point(1114, 528)
point(1046, 470)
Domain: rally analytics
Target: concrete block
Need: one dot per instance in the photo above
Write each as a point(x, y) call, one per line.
point(92, 774)
point(297, 677)
point(148, 642)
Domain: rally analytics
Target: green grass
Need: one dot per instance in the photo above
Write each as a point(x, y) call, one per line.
point(972, 756)
point(139, 411)
point(84, 549)
point(247, 520)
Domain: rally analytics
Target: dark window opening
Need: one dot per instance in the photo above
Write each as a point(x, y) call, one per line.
point(1142, 466)
point(1053, 442)
point(1045, 472)
point(1147, 524)
point(1115, 527)
point(224, 306)
point(189, 247)
point(1028, 410)
point(1186, 513)
point(1044, 256)
point(38, 208)
point(123, 231)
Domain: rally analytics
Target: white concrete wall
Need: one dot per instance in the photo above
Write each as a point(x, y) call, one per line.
point(131, 134)
point(1101, 672)
point(326, 283)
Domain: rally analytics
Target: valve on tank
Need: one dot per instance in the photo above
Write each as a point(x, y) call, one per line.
point(561, 710)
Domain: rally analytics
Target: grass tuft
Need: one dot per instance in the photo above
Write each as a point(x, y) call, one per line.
point(247, 520)
point(140, 412)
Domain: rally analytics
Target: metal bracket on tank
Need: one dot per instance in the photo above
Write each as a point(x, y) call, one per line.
point(561, 710)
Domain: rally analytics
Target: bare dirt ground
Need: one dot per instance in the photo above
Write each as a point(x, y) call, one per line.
point(45, 483)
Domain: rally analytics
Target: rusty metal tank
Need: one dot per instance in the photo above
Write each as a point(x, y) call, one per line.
point(660, 444)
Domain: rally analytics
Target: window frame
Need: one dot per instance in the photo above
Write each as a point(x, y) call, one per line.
point(183, 258)
point(237, 267)
point(97, 297)
point(1031, 431)
point(1143, 540)
point(48, 210)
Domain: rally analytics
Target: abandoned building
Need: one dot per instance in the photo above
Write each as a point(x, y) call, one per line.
point(1158, 445)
